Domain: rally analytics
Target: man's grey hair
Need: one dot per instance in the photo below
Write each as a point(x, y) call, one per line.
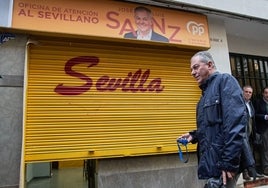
point(205, 57)
point(141, 8)
point(247, 86)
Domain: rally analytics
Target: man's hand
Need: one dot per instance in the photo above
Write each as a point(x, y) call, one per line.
point(187, 136)
point(227, 175)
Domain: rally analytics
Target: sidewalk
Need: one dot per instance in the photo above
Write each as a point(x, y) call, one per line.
point(258, 183)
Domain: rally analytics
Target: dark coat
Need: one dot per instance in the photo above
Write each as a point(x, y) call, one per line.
point(260, 112)
point(221, 126)
point(252, 136)
point(155, 36)
point(247, 157)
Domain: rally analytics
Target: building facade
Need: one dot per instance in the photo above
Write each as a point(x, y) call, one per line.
point(71, 91)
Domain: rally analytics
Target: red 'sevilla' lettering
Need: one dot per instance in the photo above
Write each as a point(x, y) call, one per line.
point(133, 82)
point(155, 85)
point(111, 84)
point(144, 78)
point(101, 82)
point(76, 90)
point(126, 81)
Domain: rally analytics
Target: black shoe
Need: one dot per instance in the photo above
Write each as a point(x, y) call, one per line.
point(259, 175)
point(265, 171)
point(252, 172)
point(246, 175)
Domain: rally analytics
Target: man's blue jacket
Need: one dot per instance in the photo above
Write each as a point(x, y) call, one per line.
point(221, 121)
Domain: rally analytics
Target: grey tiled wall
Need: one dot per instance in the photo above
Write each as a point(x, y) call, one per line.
point(11, 100)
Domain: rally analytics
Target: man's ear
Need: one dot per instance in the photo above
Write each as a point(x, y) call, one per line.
point(210, 64)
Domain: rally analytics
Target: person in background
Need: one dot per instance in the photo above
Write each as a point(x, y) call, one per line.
point(261, 114)
point(251, 128)
point(143, 19)
point(221, 119)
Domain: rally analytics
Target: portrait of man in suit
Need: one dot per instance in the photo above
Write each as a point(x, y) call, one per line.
point(143, 19)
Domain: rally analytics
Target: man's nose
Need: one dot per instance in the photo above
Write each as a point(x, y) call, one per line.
point(193, 72)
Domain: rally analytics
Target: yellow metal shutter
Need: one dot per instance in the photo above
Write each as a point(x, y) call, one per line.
point(107, 123)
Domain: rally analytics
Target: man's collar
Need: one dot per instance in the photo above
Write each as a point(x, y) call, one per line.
point(146, 37)
point(208, 80)
point(265, 100)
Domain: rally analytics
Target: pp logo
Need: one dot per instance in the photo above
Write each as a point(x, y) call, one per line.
point(195, 28)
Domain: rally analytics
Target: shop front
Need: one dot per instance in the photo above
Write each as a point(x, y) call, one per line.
point(91, 93)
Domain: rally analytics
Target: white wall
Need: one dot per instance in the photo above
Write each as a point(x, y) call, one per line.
point(244, 7)
point(223, 44)
point(247, 46)
point(6, 12)
point(219, 46)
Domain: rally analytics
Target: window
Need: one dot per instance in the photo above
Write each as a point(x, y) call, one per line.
point(250, 70)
